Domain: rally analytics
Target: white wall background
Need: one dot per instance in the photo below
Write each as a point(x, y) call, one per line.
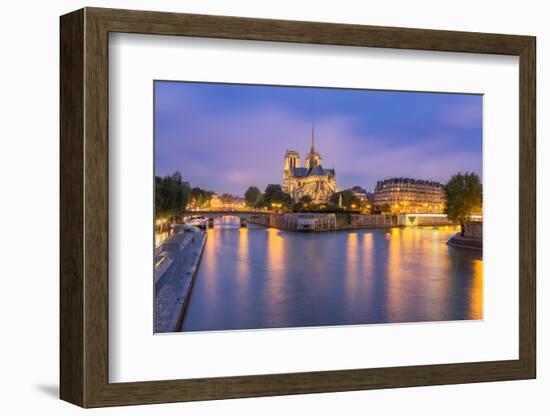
point(29, 211)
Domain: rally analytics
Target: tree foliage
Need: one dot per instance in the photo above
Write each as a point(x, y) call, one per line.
point(304, 203)
point(200, 197)
point(383, 209)
point(171, 195)
point(227, 199)
point(349, 199)
point(253, 197)
point(274, 195)
point(463, 197)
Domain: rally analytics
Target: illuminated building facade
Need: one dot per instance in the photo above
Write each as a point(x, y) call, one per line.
point(226, 201)
point(215, 201)
point(312, 180)
point(406, 195)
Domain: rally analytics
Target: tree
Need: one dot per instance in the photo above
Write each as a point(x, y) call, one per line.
point(201, 197)
point(261, 202)
point(304, 202)
point(384, 208)
point(227, 199)
point(349, 199)
point(274, 195)
point(252, 196)
point(463, 197)
point(171, 195)
point(306, 199)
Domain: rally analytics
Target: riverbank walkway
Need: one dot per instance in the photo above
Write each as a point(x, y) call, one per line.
point(173, 288)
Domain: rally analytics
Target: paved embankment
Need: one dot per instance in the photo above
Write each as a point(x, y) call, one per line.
point(173, 288)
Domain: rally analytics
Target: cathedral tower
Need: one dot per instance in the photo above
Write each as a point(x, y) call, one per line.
point(292, 160)
point(313, 180)
point(313, 158)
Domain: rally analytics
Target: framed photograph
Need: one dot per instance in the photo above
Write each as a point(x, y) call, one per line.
point(255, 207)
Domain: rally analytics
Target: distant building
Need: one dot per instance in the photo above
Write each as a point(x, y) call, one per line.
point(215, 201)
point(409, 196)
point(362, 194)
point(226, 201)
point(239, 202)
point(229, 201)
point(312, 180)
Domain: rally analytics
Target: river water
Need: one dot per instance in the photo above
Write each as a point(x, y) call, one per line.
point(266, 278)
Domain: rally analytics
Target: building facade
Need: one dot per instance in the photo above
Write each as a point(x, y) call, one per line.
point(406, 195)
point(312, 180)
point(363, 195)
point(226, 201)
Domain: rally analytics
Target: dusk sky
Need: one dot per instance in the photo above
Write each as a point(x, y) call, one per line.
point(226, 137)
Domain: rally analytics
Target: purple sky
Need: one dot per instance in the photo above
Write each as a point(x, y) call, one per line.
point(226, 137)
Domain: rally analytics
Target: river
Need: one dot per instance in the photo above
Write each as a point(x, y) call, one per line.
point(267, 278)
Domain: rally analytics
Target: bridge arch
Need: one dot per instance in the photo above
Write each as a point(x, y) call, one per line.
point(244, 216)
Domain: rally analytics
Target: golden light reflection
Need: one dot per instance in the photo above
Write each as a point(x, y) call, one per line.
point(209, 263)
point(351, 266)
point(275, 266)
point(365, 277)
point(437, 283)
point(405, 247)
point(243, 271)
point(476, 291)
point(367, 253)
point(160, 236)
point(395, 275)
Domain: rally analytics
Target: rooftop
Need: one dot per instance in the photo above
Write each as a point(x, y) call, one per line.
point(408, 181)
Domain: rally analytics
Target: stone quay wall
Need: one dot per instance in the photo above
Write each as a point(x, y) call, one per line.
point(473, 237)
point(372, 221)
point(473, 230)
point(317, 222)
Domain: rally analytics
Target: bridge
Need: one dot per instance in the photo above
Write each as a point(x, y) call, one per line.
point(211, 214)
point(259, 217)
point(342, 220)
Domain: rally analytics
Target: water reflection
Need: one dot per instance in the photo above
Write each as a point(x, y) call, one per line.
point(264, 278)
point(275, 276)
point(160, 236)
point(476, 291)
point(229, 221)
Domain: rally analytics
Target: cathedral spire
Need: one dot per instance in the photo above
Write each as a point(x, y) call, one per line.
point(312, 149)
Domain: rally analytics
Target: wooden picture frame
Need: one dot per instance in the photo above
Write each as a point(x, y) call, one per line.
point(84, 207)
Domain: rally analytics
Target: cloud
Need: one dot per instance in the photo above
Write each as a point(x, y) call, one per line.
point(173, 100)
point(465, 115)
point(231, 151)
point(421, 161)
point(237, 150)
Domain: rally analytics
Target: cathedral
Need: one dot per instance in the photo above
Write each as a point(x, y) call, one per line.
point(312, 180)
